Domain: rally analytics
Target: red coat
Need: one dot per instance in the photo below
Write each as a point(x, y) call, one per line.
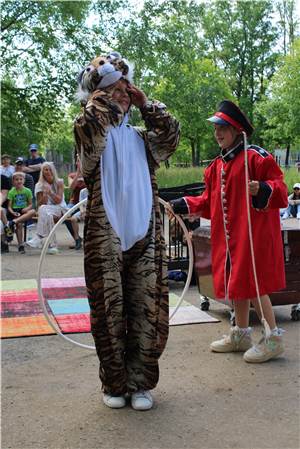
point(229, 224)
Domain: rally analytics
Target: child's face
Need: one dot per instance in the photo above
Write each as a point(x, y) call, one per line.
point(225, 135)
point(18, 181)
point(296, 191)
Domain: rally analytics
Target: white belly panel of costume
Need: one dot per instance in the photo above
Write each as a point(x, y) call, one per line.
point(126, 184)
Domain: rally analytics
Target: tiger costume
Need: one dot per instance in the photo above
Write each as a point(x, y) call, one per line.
point(127, 290)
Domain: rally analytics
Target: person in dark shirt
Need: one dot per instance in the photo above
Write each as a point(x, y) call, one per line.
point(19, 167)
point(7, 235)
point(34, 163)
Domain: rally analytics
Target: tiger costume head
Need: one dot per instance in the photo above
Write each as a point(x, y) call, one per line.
point(101, 73)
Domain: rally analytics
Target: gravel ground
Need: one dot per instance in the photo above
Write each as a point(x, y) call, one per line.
point(51, 394)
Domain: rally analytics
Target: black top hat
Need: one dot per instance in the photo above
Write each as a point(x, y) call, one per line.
point(230, 114)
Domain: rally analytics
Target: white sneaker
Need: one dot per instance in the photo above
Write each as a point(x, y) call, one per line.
point(238, 340)
point(298, 215)
point(36, 242)
point(265, 350)
point(52, 250)
point(114, 401)
point(285, 216)
point(142, 400)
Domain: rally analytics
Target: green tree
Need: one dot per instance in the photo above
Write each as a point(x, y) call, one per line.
point(241, 38)
point(44, 45)
point(280, 107)
point(165, 42)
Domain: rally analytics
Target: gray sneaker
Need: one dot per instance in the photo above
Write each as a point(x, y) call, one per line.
point(238, 340)
point(114, 401)
point(142, 400)
point(265, 350)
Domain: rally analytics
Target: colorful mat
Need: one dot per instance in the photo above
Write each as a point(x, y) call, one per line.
point(65, 299)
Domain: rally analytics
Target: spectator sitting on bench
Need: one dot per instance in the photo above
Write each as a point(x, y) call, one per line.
point(49, 192)
point(19, 207)
point(293, 208)
point(6, 234)
point(76, 184)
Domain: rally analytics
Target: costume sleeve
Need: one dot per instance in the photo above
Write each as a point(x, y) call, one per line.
point(162, 131)
point(273, 192)
point(91, 129)
point(195, 205)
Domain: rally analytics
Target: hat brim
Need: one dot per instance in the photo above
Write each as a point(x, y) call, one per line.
point(33, 149)
point(218, 120)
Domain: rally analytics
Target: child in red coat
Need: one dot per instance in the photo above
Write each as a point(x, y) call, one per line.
point(236, 276)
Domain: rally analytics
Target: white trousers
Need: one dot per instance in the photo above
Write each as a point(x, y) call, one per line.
point(45, 223)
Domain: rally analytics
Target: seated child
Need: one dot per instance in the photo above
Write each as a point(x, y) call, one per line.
point(293, 208)
point(19, 207)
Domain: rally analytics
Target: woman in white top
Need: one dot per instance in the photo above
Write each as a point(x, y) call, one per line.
point(49, 192)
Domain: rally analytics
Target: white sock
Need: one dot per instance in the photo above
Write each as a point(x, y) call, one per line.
point(277, 332)
point(244, 330)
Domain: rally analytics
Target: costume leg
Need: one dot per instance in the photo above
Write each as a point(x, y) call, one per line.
point(145, 289)
point(103, 266)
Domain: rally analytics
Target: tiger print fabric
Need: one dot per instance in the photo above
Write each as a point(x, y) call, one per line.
point(127, 291)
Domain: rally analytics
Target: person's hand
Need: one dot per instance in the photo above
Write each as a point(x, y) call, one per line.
point(253, 187)
point(137, 96)
point(47, 189)
point(16, 214)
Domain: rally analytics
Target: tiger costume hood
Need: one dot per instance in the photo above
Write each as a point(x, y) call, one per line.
point(102, 72)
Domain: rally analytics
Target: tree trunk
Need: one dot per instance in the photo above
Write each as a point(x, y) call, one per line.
point(193, 146)
point(287, 154)
point(197, 156)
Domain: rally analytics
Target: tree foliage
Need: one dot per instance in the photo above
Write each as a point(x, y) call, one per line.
point(280, 107)
point(44, 44)
point(190, 54)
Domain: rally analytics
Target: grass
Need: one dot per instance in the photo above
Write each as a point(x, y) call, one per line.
point(177, 176)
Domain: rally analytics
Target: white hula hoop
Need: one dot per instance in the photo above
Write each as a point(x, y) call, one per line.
point(191, 257)
point(51, 320)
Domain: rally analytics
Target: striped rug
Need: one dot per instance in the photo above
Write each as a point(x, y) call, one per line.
point(66, 301)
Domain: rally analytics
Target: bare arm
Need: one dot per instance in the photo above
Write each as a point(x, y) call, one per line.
point(57, 197)
point(3, 196)
point(32, 168)
point(28, 208)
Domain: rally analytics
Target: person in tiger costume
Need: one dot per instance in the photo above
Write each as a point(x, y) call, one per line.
point(124, 248)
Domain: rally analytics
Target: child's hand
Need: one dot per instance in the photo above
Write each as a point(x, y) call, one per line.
point(253, 187)
point(16, 214)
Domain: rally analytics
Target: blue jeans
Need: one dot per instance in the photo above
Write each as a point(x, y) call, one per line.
point(293, 210)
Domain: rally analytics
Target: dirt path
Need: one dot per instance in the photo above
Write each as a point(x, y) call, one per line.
point(51, 397)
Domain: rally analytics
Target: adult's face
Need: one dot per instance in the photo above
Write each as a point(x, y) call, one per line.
point(48, 175)
point(34, 154)
point(121, 96)
point(19, 167)
point(5, 162)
